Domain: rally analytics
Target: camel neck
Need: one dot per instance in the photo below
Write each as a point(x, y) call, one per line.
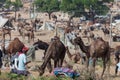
point(83, 47)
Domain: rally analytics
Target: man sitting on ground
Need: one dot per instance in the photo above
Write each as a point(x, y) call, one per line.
point(22, 62)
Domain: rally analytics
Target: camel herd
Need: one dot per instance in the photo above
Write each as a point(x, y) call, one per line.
point(56, 49)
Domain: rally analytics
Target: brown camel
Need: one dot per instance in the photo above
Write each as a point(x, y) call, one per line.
point(36, 24)
point(29, 32)
point(5, 32)
point(55, 51)
point(15, 46)
point(74, 57)
point(26, 31)
point(98, 49)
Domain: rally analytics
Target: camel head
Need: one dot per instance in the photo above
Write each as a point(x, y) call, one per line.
point(40, 45)
point(41, 71)
point(77, 40)
point(36, 44)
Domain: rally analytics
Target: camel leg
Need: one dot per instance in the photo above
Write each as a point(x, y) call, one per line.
point(60, 62)
point(55, 63)
point(28, 38)
point(58, 65)
point(93, 67)
point(33, 37)
point(10, 36)
point(88, 39)
point(87, 63)
point(23, 36)
point(104, 66)
point(61, 59)
point(49, 66)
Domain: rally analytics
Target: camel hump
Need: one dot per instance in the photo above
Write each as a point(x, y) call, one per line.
point(15, 46)
point(16, 39)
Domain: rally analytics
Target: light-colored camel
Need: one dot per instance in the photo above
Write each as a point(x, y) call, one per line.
point(98, 49)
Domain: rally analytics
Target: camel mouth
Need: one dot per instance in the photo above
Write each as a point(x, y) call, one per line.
point(36, 46)
point(41, 72)
point(75, 41)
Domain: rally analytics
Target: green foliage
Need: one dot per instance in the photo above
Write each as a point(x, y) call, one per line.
point(11, 76)
point(107, 0)
point(8, 3)
point(2, 1)
point(53, 78)
point(70, 6)
point(16, 4)
point(47, 5)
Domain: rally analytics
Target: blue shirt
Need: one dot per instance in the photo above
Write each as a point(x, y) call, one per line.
point(21, 62)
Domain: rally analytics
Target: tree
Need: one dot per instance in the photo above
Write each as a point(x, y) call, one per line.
point(72, 7)
point(48, 6)
point(86, 7)
point(2, 1)
point(8, 3)
point(17, 4)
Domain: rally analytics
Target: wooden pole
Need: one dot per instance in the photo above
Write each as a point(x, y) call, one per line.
point(110, 39)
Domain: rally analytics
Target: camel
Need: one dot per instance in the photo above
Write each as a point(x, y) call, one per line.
point(41, 45)
point(98, 49)
point(6, 29)
point(29, 32)
point(20, 26)
point(36, 24)
point(74, 57)
point(15, 46)
point(5, 32)
point(54, 17)
point(55, 51)
point(106, 31)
